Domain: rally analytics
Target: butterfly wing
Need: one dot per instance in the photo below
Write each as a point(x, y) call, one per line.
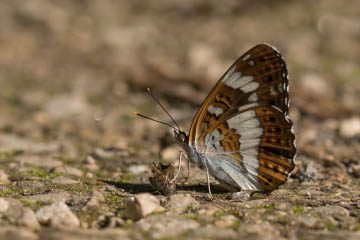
point(243, 128)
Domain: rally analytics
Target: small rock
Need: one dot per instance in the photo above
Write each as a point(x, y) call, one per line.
point(28, 219)
point(212, 232)
point(263, 230)
point(69, 170)
point(170, 153)
point(3, 177)
point(110, 153)
point(208, 210)
point(162, 226)
point(242, 196)
point(282, 205)
point(315, 84)
point(307, 221)
point(311, 172)
point(4, 205)
point(355, 170)
point(50, 197)
point(138, 169)
point(226, 221)
point(333, 210)
point(141, 205)
point(66, 106)
point(256, 203)
point(333, 235)
point(95, 200)
point(350, 127)
point(64, 180)
point(14, 210)
point(39, 161)
point(90, 160)
point(115, 222)
point(178, 203)
point(87, 234)
point(57, 215)
point(310, 193)
point(89, 175)
point(13, 143)
point(15, 232)
point(103, 153)
point(90, 163)
point(109, 221)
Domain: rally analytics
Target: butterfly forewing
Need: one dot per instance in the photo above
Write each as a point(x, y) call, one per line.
point(245, 118)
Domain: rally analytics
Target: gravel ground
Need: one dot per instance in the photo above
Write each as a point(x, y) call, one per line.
point(75, 162)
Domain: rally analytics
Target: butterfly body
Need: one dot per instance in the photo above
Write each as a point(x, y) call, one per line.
point(242, 134)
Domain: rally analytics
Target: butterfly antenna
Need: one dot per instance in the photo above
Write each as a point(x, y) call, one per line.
point(158, 102)
point(143, 116)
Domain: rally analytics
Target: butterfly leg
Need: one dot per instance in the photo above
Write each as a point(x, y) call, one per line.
point(179, 167)
point(208, 180)
point(188, 175)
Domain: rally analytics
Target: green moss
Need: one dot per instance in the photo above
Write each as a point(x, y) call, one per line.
point(7, 193)
point(115, 200)
point(357, 228)
point(299, 209)
point(127, 177)
point(256, 196)
point(218, 214)
point(336, 194)
point(195, 217)
point(157, 212)
point(78, 188)
point(268, 206)
point(38, 173)
point(283, 220)
point(235, 225)
point(234, 212)
point(331, 227)
point(190, 209)
point(8, 155)
point(31, 204)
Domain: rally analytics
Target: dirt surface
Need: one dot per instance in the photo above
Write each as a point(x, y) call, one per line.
point(75, 161)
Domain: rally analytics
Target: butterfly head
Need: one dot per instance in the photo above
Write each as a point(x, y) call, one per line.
point(181, 137)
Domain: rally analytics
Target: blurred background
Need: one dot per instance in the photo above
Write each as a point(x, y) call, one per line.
point(73, 72)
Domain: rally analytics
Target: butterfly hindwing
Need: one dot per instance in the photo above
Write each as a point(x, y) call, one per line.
point(245, 118)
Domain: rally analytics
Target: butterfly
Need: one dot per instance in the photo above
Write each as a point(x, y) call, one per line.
point(242, 135)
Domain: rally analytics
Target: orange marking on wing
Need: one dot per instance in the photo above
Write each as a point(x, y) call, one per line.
point(202, 111)
point(271, 175)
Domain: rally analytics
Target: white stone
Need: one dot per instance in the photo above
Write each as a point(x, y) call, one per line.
point(178, 203)
point(314, 84)
point(64, 180)
point(138, 169)
point(162, 226)
point(28, 219)
point(4, 205)
point(3, 177)
point(57, 215)
point(69, 171)
point(350, 127)
point(240, 196)
point(96, 199)
point(141, 205)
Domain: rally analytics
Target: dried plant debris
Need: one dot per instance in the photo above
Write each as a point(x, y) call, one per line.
point(163, 178)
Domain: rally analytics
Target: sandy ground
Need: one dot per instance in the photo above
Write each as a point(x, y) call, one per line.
point(72, 154)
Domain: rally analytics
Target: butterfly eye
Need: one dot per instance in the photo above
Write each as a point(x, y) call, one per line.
point(182, 137)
